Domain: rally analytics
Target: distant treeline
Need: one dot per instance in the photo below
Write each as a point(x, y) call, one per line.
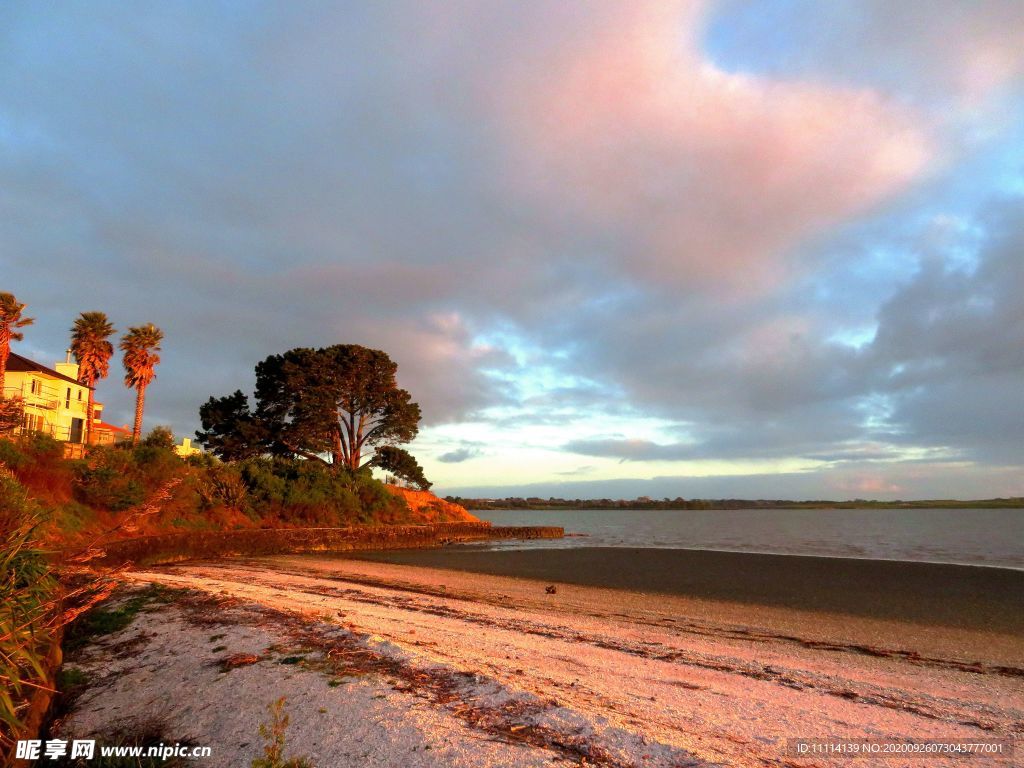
point(644, 502)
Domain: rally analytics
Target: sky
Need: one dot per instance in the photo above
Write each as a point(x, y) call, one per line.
point(701, 249)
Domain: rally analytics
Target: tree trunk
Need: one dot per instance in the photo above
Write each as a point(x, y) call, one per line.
point(336, 451)
point(357, 446)
point(5, 351)
point(88, 420)
point(353, 447)
point(140, 401)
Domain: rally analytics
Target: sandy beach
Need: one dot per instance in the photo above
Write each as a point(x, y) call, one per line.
point(392, 664)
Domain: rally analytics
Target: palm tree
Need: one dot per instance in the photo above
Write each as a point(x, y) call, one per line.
point(140, 346)
point(92, 350)
point(10, 321)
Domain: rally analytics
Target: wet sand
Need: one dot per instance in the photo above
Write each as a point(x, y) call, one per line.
point(931, 594)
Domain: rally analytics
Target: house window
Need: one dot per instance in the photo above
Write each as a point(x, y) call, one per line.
point(34, 387)
point(67, 398)
point(79, 395)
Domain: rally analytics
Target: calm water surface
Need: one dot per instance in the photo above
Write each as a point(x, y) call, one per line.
point(992, 537)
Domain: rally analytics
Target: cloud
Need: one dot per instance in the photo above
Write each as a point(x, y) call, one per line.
point(706, 178)
point(950, 347)
point(632, 450)
point(459, 455)
point(920, 481)
point(562, 214)
point(945, 52)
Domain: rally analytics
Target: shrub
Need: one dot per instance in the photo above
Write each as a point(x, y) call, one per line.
point(110, 479)
point(159, 437)
point(120, 477)
point(27, 592)
point(37, 461)
point(308, 493)
point(222, 485)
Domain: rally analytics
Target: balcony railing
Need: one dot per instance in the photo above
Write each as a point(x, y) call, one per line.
point(47, 398)
point(41, 399)
point(98, 437)
point(55, 431)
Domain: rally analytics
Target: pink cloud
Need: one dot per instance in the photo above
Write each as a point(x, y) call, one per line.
point(715, 177)
point(867, 485)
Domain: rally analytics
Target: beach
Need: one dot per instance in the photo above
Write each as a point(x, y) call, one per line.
point(395, 664)
point(920, 593)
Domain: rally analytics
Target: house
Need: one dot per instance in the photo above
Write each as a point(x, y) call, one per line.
point(55, 402)
point(107, 434)
point(186, 448)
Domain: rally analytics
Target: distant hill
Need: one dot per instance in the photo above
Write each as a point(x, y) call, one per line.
point(515, 502)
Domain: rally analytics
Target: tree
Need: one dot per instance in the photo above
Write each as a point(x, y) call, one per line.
point(11, 320)
point(232, 431)
point(400, 463)
point(12, 413)
point(341, 402)
point(92, 349)
point(140, 346)
point(159, 437)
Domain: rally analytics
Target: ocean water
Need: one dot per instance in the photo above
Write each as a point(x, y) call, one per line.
point(992, 537)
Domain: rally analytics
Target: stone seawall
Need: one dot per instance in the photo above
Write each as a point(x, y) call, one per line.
point(173, 547)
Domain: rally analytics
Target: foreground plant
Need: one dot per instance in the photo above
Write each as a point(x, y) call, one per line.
point(27, 606)
point(275, 734)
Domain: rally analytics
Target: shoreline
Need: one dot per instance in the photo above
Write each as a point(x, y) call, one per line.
point(478, 547)
point(932, 594)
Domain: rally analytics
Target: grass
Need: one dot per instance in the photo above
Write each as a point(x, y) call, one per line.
point(274, 732)
point(106, 621)
point(146, 732)
point(70, 678)
point(28, 608)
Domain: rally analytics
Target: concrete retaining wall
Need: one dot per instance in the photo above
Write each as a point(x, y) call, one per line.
point(173, 547)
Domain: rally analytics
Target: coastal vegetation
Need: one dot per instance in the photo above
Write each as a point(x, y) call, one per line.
point(27, 607)
point(48, 502)
point(338, 407)
point(304, 458)
point(331, 406)
point(82, 499)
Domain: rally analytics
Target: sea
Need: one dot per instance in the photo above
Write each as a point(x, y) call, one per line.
point(983, 537)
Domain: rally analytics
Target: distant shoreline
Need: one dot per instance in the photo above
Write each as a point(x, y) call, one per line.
point(533, 503)
point(935, 594)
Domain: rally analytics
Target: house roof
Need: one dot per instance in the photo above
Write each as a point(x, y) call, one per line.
point(18, 363)
point(112, 428)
